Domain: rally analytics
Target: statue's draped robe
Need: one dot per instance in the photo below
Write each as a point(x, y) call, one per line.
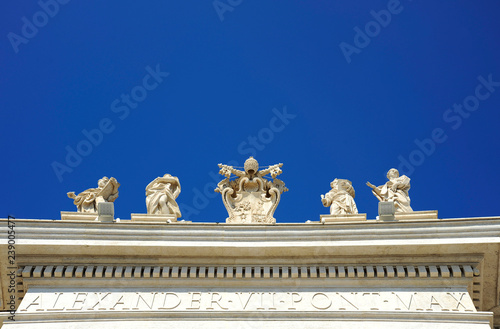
point(341, 203)
point(86, 200)
point(157, 189)
point(400, 196)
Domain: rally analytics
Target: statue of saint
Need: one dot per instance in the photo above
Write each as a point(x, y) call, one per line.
point(396, 190)
point(161, 194)
point(251, 198)
point(106, 191)
point(340, 199)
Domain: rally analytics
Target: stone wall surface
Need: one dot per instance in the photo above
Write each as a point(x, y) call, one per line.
point(415, 273)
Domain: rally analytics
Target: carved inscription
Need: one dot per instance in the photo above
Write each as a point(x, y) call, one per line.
point(224, 301)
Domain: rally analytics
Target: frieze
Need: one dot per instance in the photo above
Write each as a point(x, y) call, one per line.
point(266, 301)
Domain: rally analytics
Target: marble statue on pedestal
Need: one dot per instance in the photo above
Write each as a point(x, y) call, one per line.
point(161, 194)
point(395, 190)
point(251, 198)
point(106, 191)
point(340, 199)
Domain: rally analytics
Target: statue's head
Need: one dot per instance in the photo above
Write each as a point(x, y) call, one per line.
point(334, 183)
point(173, 181)
point(392, 173)
point(251, 166)
point(102, 181)
point(343, 185)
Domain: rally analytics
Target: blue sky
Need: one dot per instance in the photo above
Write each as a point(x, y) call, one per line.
point(331, 89)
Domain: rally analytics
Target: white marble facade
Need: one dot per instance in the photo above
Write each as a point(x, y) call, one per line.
point(366, 274)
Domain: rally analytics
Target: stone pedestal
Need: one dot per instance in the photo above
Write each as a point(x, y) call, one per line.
point(150, 218)
point(386, 211)
point(417, 215)
point(342, 218)
point(105, 213)
point(79, 216)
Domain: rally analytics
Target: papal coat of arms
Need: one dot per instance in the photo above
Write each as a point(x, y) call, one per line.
point(251, 198)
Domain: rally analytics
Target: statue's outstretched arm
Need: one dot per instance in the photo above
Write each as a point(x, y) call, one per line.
point(376, 191)
point(326, 200)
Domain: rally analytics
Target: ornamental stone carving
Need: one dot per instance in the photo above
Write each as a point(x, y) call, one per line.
point(161, 194)
point(106, 191)
point(395, 190)
point(251, 198)
point(340, 199)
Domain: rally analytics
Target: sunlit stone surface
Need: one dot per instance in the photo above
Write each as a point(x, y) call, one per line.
point(106, 191)
point(251, 198)
point(395, 190)
point(161, 194)
point(340, 199)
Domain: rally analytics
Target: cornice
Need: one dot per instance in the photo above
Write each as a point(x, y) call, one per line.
point(470, 228)
point(42, 238)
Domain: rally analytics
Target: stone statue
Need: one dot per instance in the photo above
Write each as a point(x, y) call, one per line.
point(106, 191)
point(396, 190)
point(251, 198)
point(340, 199)
point(161, 194)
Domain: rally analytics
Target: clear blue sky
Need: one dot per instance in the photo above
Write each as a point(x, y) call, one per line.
point(135, 90)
